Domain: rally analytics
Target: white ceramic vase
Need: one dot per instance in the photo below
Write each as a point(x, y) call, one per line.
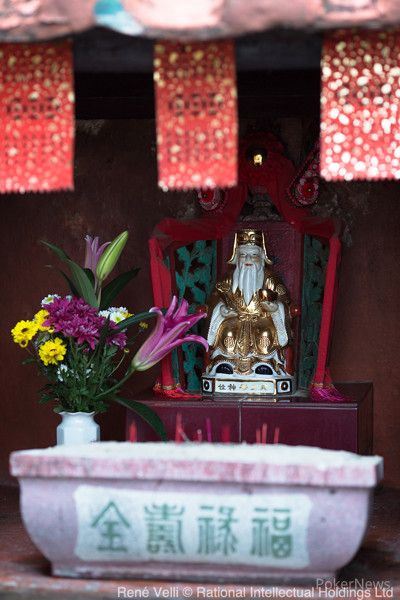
point(77, 428)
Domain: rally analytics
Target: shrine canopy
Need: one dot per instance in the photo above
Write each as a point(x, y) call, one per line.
point(180, 19)
point(273, 177)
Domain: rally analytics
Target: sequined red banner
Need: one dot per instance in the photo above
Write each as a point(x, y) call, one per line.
point(360, 131)
point(304, 189)
point(195, 88)
point(37, 117)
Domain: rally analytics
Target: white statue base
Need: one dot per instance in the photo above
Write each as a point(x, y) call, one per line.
point(257, 385)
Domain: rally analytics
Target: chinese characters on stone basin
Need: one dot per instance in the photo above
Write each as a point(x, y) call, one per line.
point(256, 529)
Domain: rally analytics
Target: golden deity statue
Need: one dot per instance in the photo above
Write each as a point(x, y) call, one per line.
point(249, 329)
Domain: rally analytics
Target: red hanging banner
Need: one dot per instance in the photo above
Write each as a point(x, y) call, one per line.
point(195, 89)
point(37, 116)
point(360, 130)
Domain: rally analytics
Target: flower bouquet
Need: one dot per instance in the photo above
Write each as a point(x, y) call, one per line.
point(80, 343)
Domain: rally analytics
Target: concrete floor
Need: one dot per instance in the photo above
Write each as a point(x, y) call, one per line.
point(25, 573)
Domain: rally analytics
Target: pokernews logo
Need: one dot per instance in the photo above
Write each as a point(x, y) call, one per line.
point(356, 588)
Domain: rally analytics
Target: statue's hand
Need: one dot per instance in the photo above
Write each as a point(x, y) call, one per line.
point(227, 312)
point(270, 306)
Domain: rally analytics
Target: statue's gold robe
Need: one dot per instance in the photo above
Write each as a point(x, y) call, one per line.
point(252, 331)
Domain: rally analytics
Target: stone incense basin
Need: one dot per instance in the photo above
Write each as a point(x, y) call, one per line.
point(196, 511)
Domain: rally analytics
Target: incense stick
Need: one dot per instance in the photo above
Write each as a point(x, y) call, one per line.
point(178, 427)
point(208, 429)
point(264, 433)
point(276, 435)
point(132, 432)
point(226, 434)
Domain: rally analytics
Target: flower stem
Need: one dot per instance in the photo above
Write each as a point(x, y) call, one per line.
point(117, 386)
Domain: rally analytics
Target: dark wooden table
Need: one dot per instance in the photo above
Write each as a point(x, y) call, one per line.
point(335, 426)
point(25, 573)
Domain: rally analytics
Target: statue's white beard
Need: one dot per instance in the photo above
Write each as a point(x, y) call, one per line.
point(248, 279)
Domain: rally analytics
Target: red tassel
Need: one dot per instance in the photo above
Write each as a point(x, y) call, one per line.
point(174, 392)
point(327, 393)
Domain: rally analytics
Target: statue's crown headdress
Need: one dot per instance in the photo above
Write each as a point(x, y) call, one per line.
point(249, 236)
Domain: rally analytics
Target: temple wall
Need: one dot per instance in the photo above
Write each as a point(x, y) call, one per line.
point(116, 189)
point(366, 332)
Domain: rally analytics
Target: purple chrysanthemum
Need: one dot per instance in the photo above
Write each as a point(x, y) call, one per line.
point(73, 317)
point(118, 338)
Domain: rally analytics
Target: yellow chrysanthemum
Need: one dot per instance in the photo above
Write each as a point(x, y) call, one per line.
point(23, 332)
point(40, 318)
point(143, 325)
point(52, 351)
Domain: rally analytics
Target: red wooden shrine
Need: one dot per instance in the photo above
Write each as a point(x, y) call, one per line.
point(327, 417)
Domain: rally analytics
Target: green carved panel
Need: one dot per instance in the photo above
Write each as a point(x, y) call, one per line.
point(315, 259)
point(195, 278)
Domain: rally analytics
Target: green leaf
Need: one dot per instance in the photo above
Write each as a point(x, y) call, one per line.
point(58, 251)
point(115, 287)
point(73, 289)
point(104, 333)
point(82, 283)
point(146, 413)
point(144, 316)
point(90, 274)
point(29, 360)
point(45, 399)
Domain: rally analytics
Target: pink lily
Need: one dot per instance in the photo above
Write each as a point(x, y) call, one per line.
point(169, 333)
point(93, 253)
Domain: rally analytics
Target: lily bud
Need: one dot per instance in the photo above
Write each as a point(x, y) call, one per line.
point(110, 256)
